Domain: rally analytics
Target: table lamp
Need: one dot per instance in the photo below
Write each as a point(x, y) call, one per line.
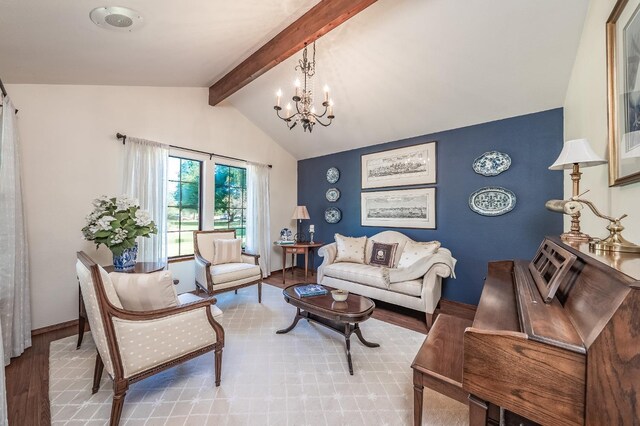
point(575, 154)
point(299, 213)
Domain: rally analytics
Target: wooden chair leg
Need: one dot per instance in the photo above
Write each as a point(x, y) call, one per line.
point(97, 374)
point(477, 411)
point(236, 291)
point(119, 393)
point(81, 322)
point(218, 362)
point(260, 292)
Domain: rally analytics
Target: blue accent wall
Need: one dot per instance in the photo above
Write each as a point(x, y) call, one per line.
point(533, 141)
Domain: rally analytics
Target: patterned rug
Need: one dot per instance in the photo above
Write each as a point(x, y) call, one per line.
point(299, 378)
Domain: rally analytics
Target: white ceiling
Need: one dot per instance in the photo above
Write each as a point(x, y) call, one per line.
point(401, 68)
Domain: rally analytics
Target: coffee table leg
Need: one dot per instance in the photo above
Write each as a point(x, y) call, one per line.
point(347, 338)
point(297, 318)
point(356, 329)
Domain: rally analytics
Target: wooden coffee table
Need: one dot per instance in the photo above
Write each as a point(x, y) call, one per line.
point(341, 317)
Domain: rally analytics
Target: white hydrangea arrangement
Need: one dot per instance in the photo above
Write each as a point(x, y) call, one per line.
point(116, 222)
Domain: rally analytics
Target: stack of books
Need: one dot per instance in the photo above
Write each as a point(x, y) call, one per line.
point(310, 290)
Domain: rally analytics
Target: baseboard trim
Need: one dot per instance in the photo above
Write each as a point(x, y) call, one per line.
point(458, 309)
point(54, 327)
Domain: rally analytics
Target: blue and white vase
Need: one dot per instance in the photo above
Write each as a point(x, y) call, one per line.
point(127, 260)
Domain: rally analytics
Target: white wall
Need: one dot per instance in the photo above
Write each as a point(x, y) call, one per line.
point(585, 116)
point(70, 156)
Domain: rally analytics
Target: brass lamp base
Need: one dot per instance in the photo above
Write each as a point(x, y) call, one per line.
point(575, 237)
point(614, 242)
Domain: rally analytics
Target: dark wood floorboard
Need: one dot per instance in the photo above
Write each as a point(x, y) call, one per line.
point(27, 376)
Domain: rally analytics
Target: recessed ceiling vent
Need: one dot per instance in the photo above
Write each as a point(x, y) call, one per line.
point(116, 18)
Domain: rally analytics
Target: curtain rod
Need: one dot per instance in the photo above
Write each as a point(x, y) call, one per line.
point(4, 92)
point(210, 154)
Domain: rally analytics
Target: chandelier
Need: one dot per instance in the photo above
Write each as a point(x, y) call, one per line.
point(305, 113)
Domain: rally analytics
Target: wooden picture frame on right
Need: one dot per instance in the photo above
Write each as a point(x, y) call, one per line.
point(623, 83)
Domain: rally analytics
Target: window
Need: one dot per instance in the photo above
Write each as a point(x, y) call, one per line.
point(231, 199)
point(183, 194)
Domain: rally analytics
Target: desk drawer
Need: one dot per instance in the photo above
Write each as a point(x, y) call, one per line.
point(295, 250)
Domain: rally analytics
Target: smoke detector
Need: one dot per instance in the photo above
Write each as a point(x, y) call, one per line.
point(116, 18)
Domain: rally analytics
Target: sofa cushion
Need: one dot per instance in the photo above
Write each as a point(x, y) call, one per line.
point(228, 272)
point(350, 249)
point(410, 288)
point(145, 292)
point(398, 253)
point(411, 272)
point(359, 273)
point(383, 254)
point(415, 250)
point(227, 251)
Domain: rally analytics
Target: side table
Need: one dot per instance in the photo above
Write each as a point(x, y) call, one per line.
point(299, 248)
point(140, 268)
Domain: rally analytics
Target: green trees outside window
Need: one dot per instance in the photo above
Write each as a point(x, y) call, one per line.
point(231, 199)
point(184, 205)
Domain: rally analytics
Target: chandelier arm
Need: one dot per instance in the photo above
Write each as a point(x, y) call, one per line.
point(324, 125)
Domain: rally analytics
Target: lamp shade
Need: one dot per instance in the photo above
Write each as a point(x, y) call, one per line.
point(577, 151)
point(300, 212)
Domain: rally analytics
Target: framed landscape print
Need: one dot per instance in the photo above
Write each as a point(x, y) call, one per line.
point(623, 74)
point(411, 165)
point(406, 208)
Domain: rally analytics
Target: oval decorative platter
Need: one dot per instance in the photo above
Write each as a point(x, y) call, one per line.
point(333, 174)
point(333, 194)
point(332, 215)
point(492, 201)
point(492, 163)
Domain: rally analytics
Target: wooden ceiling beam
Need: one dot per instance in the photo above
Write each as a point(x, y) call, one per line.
point(318, 21)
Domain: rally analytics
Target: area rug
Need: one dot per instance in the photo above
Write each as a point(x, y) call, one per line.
point(299, 378)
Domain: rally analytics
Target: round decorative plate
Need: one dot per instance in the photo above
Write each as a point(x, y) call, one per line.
point(492, 163)
point(492, 201)
point(332, 215)
point(333, 194)
point(333, 174)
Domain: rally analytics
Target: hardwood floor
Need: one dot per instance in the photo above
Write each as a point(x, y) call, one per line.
point(27, 376)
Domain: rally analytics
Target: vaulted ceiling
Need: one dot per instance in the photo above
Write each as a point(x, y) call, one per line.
point(400, 68)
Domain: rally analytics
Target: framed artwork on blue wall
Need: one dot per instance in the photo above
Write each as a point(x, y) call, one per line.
point(623, 75)
point(405, 208)
point(411, 165)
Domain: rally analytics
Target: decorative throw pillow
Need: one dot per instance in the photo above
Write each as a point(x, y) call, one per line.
point(398, 253)
point(383, 254)
point(227, 251)
point(415, 250)
point(145, 292)
point(350, 249)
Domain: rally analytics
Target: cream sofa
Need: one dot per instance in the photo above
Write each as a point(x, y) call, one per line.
point(415, 286)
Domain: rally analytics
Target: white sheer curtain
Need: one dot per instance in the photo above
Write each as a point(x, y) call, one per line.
point(145, 178)
point(15, 305)
point(258, 221)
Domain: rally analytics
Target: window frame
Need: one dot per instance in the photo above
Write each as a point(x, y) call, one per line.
point(181, 257)
point(244, 206)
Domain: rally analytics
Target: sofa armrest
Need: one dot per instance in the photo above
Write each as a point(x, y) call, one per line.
point(432, 281)
point(328, 252)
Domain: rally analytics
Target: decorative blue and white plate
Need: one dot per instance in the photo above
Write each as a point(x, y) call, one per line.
point(492, 163)
point(333, 174)
point(333, 194)
point(332, 215)
point(492, 201)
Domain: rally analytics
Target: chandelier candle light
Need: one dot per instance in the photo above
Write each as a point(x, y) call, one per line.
point(305, 112)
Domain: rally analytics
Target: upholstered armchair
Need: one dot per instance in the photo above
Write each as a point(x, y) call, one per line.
point(134, 345)
point(214, 277)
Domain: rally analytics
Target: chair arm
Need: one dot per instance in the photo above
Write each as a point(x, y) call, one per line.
point(432, 285)
point(162, 313)
point(203, 276)
point(151, 339)
point(250, 258)
point(328, 252)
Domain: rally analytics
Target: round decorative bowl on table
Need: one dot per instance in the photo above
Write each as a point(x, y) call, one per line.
point(339, 295)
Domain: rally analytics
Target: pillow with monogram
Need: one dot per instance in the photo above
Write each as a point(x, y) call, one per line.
point(350, 249)
point(383, 254)
point(415, 250)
